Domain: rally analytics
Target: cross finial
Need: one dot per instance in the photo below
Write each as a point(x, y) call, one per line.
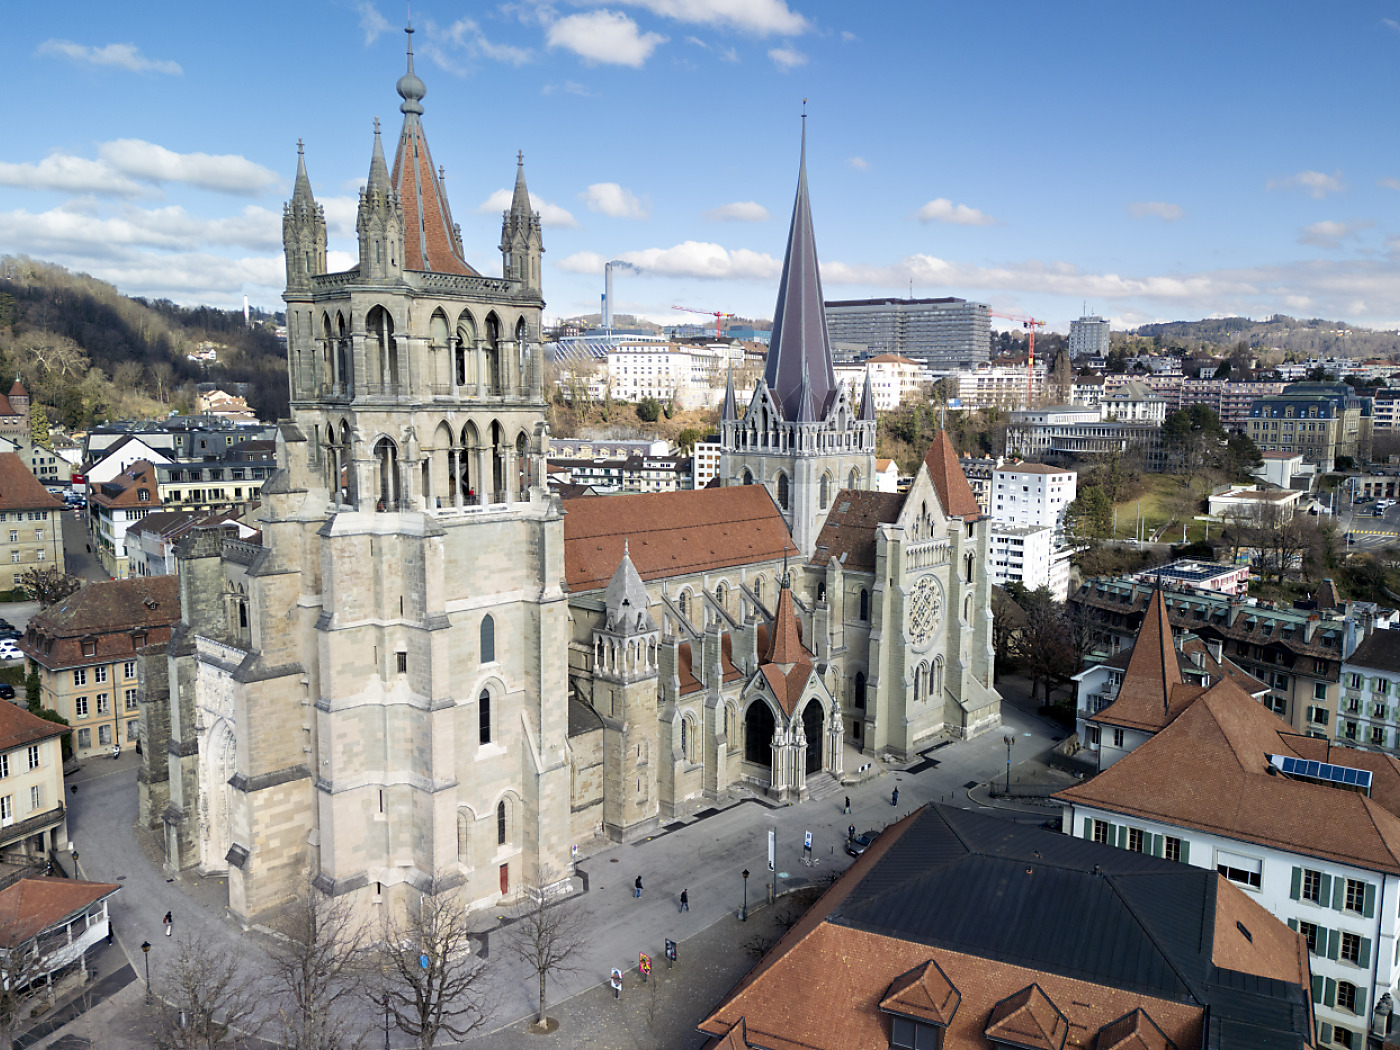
point(520, 158)
point(442, 172)
point(376, 125)
point(299, 146)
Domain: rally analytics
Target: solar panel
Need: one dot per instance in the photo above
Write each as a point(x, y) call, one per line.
point(1328, 772)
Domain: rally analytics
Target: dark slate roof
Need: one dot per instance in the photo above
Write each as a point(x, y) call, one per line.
point(850, 527)
point(1380, 651)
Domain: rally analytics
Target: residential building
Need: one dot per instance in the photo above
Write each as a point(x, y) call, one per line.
point(608, 448)
point(1088, 337)
point(230, 481)
point(151, 541)
point(1028, 555)
point(1077, 432)
point(177, 437)
point(689, 374)
point(1280, 468)
point(1385, 409)
point(941, 333)
point(1370, 704)
point(31, 519)
point(44, 463)
point(114, 506)
point(978, 470)
point(1252, 506)
point(86, 650)
point(1001, 386)
point(1033, 494)
point(1306, 829)
point(886, 475)
point(1297, 652)
point(1227, 398)
point(636, 474)
point(224, 405)
point(33, 814)
point(1087, 391)
point(892, 378)
point(704, 461)
point(960, 931)
point(1321, 421)
point(108, 462)
point(1166, 385)
point(1191, 575)
point(55, 922)
point(1133, 403)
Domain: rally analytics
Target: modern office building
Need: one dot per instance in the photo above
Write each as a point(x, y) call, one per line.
point(944, 333)
point(1088, 337)
point(1322, 421)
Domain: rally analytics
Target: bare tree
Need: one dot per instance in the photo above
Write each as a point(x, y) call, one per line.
point(47, 586)
point(22, 984)
point(547, 937)
point(428, 981)
point(210, 1000)
point(314, 973)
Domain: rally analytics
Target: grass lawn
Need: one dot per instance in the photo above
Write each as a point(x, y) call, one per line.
point(1160, 497)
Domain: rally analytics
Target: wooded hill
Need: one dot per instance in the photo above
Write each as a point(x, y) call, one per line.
point(89, 353)
point(1313, 337)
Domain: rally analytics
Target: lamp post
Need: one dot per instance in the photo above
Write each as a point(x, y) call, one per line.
point(146, 951)
point(1010, 740)
point(744, 915)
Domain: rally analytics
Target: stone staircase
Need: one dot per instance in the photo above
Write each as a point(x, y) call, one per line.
point(822, 785)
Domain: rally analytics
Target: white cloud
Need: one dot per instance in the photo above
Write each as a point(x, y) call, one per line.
point(112, 56)
point(75, 230)
point(1390, 23)
point(601, 36)
point(69, 174)
point(1155, 209)
point(1330, 234)
point(372, 23)
point(1316, 184)
point(569, 87)
point(787, 58)
point(689, 259)
point(227, 173)
point(614, 201)
point(550, 214)
point(1389, 183)
point(739, 211)
point(758, 17)
point(847, 37)
point(859, 163)
point(941, 209)
point(464, 39)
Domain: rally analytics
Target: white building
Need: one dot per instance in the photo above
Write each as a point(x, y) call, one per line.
point(1248, 504)
point(692, 375)
point(704, 461)
point(886, 475)
point(891, 378)
point(1133, 403)
point(1028, 555)
point(1001, 386)
point(1371, 692)
point(1033, 494)
point(1307, 828)
point(1088, 337)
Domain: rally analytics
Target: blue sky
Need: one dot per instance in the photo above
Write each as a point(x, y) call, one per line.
point(1164, 162)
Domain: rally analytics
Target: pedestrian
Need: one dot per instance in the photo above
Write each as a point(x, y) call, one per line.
point(685, 900)
point(851, 833)
point(894, 797)
point(637, 889)
point(110, 931)
point(169, 922)
point(848, 803)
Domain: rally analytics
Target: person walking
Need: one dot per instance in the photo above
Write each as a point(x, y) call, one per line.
point(851, 833)
point(637, 889)
point(169, 922)
point(685, 900)
point(848, 804)
point(894, 797)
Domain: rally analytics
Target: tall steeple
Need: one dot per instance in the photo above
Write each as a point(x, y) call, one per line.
point(380, 220)
point(799, 319)
point(522, 242)
point(729, 411)
point(520, 209)
point(303, 231)
point(867, 401)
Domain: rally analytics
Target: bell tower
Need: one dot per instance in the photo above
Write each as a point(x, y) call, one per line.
point(521, 241)
point(303, 231)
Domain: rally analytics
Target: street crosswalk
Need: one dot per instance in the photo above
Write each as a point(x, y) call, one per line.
point(1374, 532)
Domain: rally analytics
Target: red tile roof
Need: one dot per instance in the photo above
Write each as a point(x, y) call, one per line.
point(20, 489)
point(30, 906)
point(671, 533)
point(949, 480)
point(109, 615)
point(848, 534)
point(19, 728)
point(1028, 1019)
point(431, 240)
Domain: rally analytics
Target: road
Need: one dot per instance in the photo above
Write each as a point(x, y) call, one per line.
point(704, 856)
point(80, 562)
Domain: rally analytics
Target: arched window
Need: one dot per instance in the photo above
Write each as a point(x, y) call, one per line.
point(821, 592)
point(919, 682)
point(967, 608)
point(687, 740)
point(758, 588)
point(936, 682)
point(853, 482)
point(484, 715)
point(864, 604)
point(783, 491)
point(825, 491)
point(748, 476)
point(684, 603)
point(859, 697)
point(488, 639)
point(721, 592)
point(501, 823)
point(463, 835)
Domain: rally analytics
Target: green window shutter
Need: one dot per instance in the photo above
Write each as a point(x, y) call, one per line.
point(1368, 906)
point(1317, 989)
point(1185, 852)
point(1365, 958)
point(1324, 894)
point(1329, 996)
point(1293, 925)
point(1339, 894)
point(1297, 891)
point(1088, 827)
point(1121, 835)
point(1325, 1035)
point(1157, 845)
point(1333, 939)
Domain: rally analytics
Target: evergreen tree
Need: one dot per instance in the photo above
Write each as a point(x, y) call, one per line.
point(39, 426)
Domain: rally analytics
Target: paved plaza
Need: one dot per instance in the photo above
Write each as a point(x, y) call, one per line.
point(703, 855)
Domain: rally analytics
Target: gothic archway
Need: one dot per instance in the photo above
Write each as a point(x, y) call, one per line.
point(812, 722)
point(758, 734)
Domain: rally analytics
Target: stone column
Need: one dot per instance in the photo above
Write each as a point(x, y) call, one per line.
point(481, 368)
point(510, 477)
point(484, 477)
point(454, 464)
point(452, 344)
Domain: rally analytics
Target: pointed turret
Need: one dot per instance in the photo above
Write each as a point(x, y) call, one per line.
point(799, 320)
point(867, 401)
point(806, 407)
point(949, 481)
point(785, 637)
point(378, 170)
point(522, 243)
point(626, 599)
point(302, 198)
point(729, 411)
point(303, 231)
point(1153, 671)
point(520, 209)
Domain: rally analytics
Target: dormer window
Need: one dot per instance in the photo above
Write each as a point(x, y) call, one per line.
point(89, 646)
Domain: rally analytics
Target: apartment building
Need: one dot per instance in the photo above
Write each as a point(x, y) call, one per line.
point(33, 815)
point(1320, 421)
point(113, 507)
point(634, 474)
point(1133, 402)
point(1001, 386)
point(704, 461)
point(86, 650)
point(979, 471)
point(1228, 399)
point(1033, 494)
point(30, 519)
point(892, 378)
point(1370, 715)
point(1385, 409)
point(941, 333)
point(1028, 555)
point(1077, 432)
point(231, 480)
point(1088, 337)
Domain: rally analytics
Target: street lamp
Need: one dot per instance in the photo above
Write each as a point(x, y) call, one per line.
point(1010, 740)
point(146, 951)
point(744, 915)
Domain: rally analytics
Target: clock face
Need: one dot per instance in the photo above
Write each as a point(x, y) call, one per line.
point(925, 605)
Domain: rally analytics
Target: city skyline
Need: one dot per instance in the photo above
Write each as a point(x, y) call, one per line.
point(1156, 166)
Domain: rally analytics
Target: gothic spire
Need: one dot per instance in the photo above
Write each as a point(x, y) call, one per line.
point(409, 87)
point(799, 320)
point(378, 170)
point(729, 411)
point(867, 401)
point(302, 197)
point(520, 201)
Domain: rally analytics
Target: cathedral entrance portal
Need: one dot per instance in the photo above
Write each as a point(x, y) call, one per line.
point(758, 734)
point(812, 729)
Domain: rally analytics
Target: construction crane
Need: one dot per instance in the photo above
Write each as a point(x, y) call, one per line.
point(1030, 324)
point(716, 314)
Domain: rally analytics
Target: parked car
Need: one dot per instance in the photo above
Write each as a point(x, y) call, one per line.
point(10, 651)
point(858, 845)
point(7, 691)
point(10, 634)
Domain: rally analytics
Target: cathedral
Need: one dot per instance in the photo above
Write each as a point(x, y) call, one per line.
point(428, 674)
